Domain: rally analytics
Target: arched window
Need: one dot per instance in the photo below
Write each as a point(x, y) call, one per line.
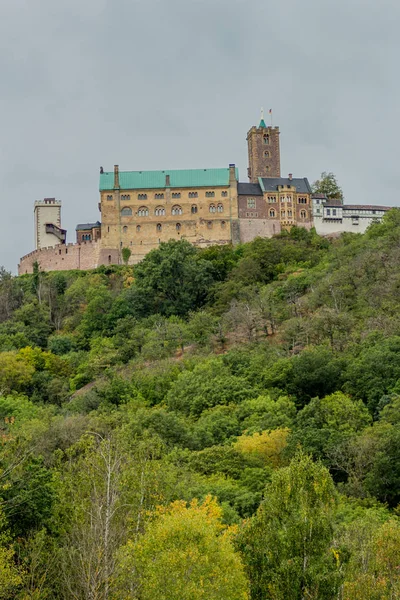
point(125, 197)
point(283, 214)
point(193, 194)
point(143, 211)
point(176, 195)
point(176, 210)
point(125, 229)
point(266, 154)
point(194, 209)
point(159, 211)
point(126, 212)
point(158, 226)
point(224, 194)
point(212, 208)
point(303, 214)
point(266, 138)
point(209, 224)
point(109, 259)
point(289, 213)
point(220, 208)
point(109, 197)
point(223, 224)
point(138, 228)
point(178, 227)
point(159, 196)
point(210, 194)
point(272, 213)
point(142, 196)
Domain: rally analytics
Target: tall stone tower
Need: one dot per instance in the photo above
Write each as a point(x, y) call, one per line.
point(48, 230)
point(264, 152)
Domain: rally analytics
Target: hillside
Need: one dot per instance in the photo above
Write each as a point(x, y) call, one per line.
point(209, 424)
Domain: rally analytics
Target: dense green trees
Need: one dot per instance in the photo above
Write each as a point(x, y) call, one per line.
point(265, 376)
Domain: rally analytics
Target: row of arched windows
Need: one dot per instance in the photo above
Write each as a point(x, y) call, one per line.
point(175, 195)
point(178, 227)
point(272, 214)
point(219, 208)
point(160, 211)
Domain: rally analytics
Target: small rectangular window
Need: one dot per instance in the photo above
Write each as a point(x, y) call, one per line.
point(251, 202)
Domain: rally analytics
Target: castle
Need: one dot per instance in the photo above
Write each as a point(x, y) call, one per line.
point(141, 209)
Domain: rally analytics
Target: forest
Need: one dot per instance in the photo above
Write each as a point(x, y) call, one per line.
point(210, 424)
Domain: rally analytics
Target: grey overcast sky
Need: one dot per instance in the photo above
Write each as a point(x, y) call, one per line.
point(163, 84)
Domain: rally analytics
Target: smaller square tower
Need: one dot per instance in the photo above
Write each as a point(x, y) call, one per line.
point(48, 230)
point(264, 152)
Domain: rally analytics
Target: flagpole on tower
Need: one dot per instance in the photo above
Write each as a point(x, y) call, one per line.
point(270, 113)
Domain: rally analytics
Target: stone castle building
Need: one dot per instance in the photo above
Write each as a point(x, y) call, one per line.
point(141, 209)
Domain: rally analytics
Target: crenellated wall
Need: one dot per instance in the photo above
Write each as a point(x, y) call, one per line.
point(63, 257)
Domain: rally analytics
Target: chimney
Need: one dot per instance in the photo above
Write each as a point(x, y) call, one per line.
point(290, 176)
point(167, 181)
point(232, 174)
point(116, 177)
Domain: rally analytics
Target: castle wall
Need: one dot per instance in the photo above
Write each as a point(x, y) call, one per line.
point(62, 258)
point(337, 226)
point(252, 228)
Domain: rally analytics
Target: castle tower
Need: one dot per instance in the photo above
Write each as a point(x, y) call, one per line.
point(47, 215)
point(264, 152)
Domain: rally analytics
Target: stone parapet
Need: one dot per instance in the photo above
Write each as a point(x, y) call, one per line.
point(62, 257)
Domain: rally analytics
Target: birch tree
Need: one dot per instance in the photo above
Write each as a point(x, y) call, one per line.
point(286, 546)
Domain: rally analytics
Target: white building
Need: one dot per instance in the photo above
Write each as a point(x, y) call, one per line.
point(48, 230)
point(333, 217)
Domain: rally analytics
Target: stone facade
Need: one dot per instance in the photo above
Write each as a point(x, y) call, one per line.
point(141, 218)
point(264, 152)
point(88, 232)
point(273, 204)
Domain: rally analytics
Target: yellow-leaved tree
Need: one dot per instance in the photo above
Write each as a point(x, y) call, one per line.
point(184, 554)
point(265, 448)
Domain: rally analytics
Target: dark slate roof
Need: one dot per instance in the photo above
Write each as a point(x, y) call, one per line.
point(321, 196)
point(333, 202)
point(87, 226)
point(365, 207)
point(271, 184)
point(249, 189)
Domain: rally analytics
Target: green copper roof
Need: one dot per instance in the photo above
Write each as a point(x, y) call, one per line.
point(262, 124)
point(190, 178)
